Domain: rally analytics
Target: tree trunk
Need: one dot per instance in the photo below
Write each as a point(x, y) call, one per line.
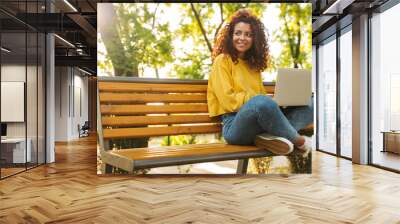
point(123, 66)
point(201, 27)
point(291, 42)
point(115, 50)
point(297, 51)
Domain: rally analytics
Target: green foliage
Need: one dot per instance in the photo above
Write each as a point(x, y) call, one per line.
point(259, 165)
point(184, 169)
point(128, 143)
point(142, 39)
point(178, 140)
point(295, 36)
point(197, 63)
point(104, 64)
point(145, 40)
point(148, 42)
point(193, 66)
point(299, 163)
point(136, 172)
point(257, 8)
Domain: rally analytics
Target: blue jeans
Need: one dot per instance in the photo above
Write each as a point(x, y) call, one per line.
point(263, 115)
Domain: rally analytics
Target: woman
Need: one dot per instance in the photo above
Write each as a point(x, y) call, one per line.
point(236, 92)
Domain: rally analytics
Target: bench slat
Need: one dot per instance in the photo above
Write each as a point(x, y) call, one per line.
point(152, 109)
point(148, 98)
point(181, 151)
point(270, 89)
point(159, 88)
point(186, 105)
point(150, 88)
point(124, 121)
point(159, 131)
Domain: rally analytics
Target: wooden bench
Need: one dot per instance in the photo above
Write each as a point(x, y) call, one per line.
point(137, 108)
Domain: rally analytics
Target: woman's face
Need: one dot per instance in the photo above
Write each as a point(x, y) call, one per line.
point(242, 38)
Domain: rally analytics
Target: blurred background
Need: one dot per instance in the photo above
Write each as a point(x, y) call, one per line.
point(167, 40)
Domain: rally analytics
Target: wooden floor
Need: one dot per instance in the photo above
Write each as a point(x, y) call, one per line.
point(70, 192)
point(7, 171)
point(387, 159)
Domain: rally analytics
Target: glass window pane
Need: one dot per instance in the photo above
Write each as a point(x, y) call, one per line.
point(327, 96)
point(31, 97)
point(346, 94)
point(385, 87)
point(22, 78)
point(13, 85)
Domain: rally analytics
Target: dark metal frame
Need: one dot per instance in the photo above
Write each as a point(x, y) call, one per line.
point(369, 91)
point(28, 27)
point(317, 90)
point(0, 88)
point(26, 90)
point(340, 30)
point(316, 97)
point(338, 98)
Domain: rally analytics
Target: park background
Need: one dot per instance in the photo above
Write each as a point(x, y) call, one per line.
point(175, 40)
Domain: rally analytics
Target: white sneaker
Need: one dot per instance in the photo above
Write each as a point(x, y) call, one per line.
point(274, 144)
point(306, 147)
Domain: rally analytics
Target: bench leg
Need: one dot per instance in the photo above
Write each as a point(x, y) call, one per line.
point(106, 168)
point(242, 166)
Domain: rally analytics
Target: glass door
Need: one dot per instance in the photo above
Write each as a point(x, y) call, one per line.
point(327, 95)
point(385, 89)
point(346, 92)
point(22, 77)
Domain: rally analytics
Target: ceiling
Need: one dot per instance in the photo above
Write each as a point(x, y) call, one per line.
point(329, 15)
point(74, 22)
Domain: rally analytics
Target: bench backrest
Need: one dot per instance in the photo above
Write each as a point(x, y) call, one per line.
point(137, 107)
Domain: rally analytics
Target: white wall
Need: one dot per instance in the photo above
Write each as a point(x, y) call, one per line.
point(12, 73)
point(327, 96)
point(71, 94)
point(61, 103)
point(80, 114)
point(34, 124)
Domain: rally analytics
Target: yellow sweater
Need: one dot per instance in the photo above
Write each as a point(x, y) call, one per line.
point(231, 85)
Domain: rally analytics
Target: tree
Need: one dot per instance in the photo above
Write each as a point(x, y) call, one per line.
point(133, 36)
point(294, 36)
point(112, 41)
point(197, 24)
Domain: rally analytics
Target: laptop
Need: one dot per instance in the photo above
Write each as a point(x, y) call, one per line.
point(293, 87)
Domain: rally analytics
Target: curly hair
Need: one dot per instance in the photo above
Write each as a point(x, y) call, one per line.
point(258, 55)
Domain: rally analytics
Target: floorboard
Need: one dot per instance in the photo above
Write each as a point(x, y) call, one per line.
point(69, 191)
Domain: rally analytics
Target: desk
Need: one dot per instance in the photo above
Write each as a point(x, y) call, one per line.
point(391, 141)
point(16, 148)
